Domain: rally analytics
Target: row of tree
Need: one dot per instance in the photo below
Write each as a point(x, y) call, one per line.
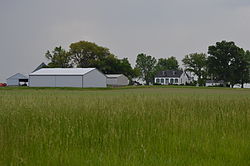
point(225, 61)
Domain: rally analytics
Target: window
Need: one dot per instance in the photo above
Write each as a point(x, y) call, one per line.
point(157, 80)
point(176, 80)
point(162, 81)
point(171, 81)
point(167, 80)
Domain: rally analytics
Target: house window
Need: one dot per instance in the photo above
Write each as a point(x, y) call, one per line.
point(157, 80)
point(162, 81)
point(176, 80)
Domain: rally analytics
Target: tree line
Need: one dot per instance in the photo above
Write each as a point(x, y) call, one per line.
point(225, 61)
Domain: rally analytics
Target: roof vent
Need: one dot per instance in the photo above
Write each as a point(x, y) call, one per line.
point(174, 72)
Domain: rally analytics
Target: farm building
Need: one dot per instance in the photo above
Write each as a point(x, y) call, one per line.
point(117, 80)
point(214, 83)
point(172, 77)
point(17, 80)
point(67, 77)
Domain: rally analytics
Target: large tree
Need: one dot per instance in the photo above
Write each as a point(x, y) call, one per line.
point(241, 66)
point(196, 63)
point(170, 63)
point(111, 64)
point(226, 62)
point(58, 58)
point(88, 54)
point(146, 65)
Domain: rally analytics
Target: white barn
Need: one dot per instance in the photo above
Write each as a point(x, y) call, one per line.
point(117, 80)
point(172, 77)
point(17, 80)
point(67, 77)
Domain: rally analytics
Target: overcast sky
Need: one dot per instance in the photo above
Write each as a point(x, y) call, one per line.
point(161, 28)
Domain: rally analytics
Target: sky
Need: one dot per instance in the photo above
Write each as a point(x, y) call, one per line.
point(160, 28)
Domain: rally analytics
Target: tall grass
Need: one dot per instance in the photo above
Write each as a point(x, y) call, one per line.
point(155, 126)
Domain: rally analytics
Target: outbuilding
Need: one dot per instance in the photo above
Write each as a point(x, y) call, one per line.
point(214, 83)
point(117, 80)
point(67, 77)
point(17, 80)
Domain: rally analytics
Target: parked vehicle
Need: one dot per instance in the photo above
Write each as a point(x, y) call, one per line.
point(3, 84)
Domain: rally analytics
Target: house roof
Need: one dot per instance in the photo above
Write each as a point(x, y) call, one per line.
point(17, 76)
point(62, 71)
point(113, 75)
point(170, 73)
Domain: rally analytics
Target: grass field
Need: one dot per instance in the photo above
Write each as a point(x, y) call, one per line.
point(132, 127)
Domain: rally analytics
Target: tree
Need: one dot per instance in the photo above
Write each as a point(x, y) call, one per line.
point(126, 68)
point(242, 68)
point(146, 65)
point(224, 60)
point(111, 64)
point(88, 54)
point(196, 63)
point(58, 58)
point(167, 64)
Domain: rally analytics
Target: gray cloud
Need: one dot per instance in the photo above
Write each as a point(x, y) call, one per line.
point(161, 28)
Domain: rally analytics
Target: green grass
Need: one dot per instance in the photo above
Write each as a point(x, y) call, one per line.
point(125, 126)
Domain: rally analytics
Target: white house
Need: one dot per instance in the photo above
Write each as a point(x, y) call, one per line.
point(172, 77)
point(17, 80)
point(117, 80)
point(67, 77)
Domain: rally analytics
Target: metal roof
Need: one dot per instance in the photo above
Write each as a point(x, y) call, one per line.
point(42, 65)
point(215, 81)
point(113, 75)
point(18, 76)
point(62, 71)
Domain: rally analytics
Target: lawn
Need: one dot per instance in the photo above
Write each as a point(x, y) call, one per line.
point(155, 126)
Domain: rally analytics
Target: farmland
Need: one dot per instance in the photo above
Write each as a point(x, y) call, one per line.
point(138, 126)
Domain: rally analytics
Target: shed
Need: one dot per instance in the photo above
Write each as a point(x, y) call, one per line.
point(117, 80)
point(17, 80)
point(67, 77)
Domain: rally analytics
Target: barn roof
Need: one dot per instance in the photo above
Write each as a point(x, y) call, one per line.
point(42, 65)
point(18, 76)
point(62, 71)
point(113, 75)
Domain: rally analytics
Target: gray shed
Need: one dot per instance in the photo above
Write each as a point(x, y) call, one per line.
point(17, 80)
point(67, 77)
point(117, 80)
